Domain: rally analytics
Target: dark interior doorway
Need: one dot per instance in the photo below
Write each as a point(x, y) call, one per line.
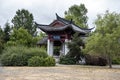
point(57, 48)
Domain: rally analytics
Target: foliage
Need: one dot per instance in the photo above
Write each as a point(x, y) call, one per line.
point(7, 30)
point(1, 46)
point(19, 55)
point(116, 60)
point(24, 18)
point(1, 40)
point(1, 34)
point(40, 61)
point(78, 14)
point(105, 39)
point(50, 61)
point(67, 60)
point(4, 36)
point(20, 37)
point(74, 47)
point(41, 35)
point(36, 61)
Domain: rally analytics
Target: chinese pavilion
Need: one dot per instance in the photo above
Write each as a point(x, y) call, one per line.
point(59, 32)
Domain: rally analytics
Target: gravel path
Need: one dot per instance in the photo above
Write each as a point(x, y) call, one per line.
point(61, 72)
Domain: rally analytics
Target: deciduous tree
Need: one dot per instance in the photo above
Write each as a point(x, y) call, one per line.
point(106, 38)
point(78, 14)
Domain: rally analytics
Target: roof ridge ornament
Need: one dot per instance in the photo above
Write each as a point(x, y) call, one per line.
point(57, 17)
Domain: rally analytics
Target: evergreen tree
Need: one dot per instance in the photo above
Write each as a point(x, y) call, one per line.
point(75, 47)
point(25, 19)
point(1, 46)
point(1, 33)
point(1, 39)
point(7, 30)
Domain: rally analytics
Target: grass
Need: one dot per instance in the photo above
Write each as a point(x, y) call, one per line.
point(60, 72)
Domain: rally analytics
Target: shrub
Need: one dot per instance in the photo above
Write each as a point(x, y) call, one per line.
point(36, 61)
point(41, 52)
point(6, 59)
point(50, 61)
point(102, 61)
point(95, 60)
point(13, 59)
point(40, 61)
point(67, 60)
point(19, 55)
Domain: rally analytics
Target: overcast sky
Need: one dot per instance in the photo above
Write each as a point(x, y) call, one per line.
point(44, 10)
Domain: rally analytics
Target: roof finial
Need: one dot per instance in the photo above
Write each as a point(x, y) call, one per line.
point(57, 16)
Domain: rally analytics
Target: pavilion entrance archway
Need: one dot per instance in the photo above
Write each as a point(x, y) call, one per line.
point(57, 47)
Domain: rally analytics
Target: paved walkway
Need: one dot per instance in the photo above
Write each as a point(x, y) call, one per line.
point(116, 66)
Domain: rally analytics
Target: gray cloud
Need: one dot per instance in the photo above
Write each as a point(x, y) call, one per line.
point(44, 10)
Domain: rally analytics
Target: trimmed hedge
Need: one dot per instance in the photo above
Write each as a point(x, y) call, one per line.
point(67, 60)
point(19, 55)
point(40, 61)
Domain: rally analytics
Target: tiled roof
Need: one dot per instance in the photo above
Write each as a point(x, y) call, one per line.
point(68, 25)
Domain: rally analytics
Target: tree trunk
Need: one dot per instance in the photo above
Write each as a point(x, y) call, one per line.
point(109, 61)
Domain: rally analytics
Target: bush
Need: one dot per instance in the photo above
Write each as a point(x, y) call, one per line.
point(14, 60)
point(50, 61)
point(40, 61)
point(116, 60)
point(67, 60)
point(19, 55)
point(95, 60)
point(102, 61)
point(36, 61)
